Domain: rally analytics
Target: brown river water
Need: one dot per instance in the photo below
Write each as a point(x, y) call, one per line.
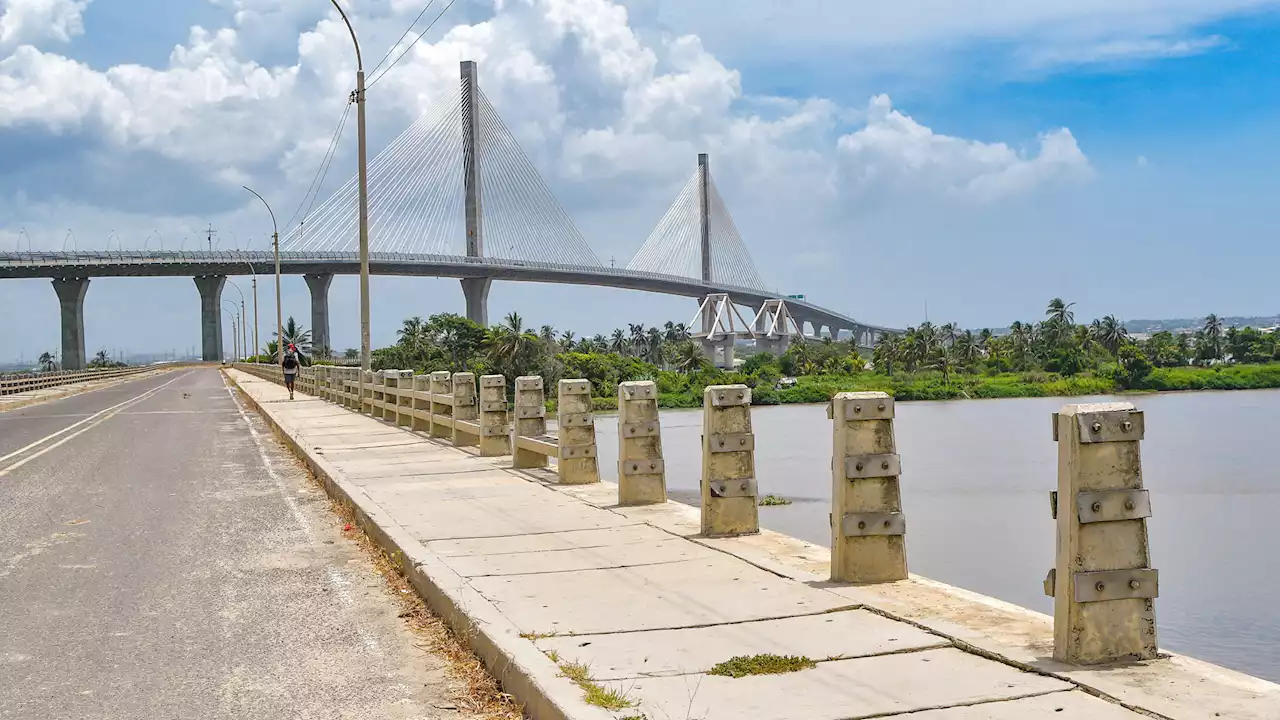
point(975, 483)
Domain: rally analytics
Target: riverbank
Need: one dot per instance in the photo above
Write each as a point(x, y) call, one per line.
point(932, 385)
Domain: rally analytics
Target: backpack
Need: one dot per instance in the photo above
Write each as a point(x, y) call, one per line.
point(290, 361)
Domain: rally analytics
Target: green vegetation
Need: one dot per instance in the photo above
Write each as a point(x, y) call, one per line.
point(594, 693)
point(1052, 357)
point(101, 361)
point(772, 500)
point(742, 666)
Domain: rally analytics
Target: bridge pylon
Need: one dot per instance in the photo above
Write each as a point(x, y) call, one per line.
point(715, 328)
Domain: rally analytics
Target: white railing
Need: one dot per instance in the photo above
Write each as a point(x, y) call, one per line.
point(12, 384)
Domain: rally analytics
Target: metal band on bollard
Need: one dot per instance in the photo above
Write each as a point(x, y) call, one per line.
point(728, 463)
point(1102, 583)
point(642, 478)
point(868, 529)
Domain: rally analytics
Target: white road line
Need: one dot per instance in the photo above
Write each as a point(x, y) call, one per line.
point(339, 582)
point(97, 419)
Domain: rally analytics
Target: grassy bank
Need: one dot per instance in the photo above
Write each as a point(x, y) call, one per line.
point(932, 386)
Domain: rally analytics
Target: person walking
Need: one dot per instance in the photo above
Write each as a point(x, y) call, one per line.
point(290, 366)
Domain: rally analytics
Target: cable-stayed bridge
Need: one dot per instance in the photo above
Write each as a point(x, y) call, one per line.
point(455, 196)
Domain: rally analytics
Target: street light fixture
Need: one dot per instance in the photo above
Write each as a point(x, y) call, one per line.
point(244, 327)
point(275, 242)
point(358, 96)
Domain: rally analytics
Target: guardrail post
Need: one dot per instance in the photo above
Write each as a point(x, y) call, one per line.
point(642, 478)
point(495, 433)
point(1102, 583)
point(441, 404)
point(366, 391)
point(464, 408)
point(403, 398)
point(728, 462)
point(530, 421)
point(868, 529)
point(576, 462)
point(420, 404)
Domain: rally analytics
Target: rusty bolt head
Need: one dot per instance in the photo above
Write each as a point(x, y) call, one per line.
point(721, 443)
point(862, 525)
point(886, 523)
point(1133, 584)
point(1128, 505)
point(743, 486)
point(742, 441)
point(739, 396)
point(1126, 426)
point(858, 466)
point(1097, 427)
point(653, 466)
point(1100, 586)
point(1097, 507)
point(857, 408)
point(631, 430)
point(884, 464)
point(881, 407)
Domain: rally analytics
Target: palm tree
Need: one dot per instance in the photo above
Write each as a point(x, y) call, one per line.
point(511, 347)
point(1110, 333)
point(637, 338)
point(351, 353)
point(966, 349)
point(1060, 312)
point(566, 340)
point(299, 338)
point(413, 335)
point(886, 352)
point(945, 363)
point(1213, 333)
point(689, 357)
point(47, 361)
point(548, 334)
point(618, 342)
point(653, 345)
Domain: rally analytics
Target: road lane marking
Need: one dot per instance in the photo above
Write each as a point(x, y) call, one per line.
point(337, 581)
point(96, 419)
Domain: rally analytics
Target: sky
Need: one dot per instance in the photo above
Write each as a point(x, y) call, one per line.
point(972, 158)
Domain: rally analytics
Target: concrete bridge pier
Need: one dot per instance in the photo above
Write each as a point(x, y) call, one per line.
point(476, 291)
point(319, 287)
point(71, 293)
point(210, 287)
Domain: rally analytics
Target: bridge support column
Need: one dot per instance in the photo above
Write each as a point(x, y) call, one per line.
point(210, 287)
point(476, 291)
point(319, 287)
point(71, 293)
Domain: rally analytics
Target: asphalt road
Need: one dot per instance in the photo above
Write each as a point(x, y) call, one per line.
point(163, 556)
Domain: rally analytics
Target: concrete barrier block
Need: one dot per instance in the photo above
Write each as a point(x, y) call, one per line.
point(441, 404)
point(495, 433)
point(728, 463)
point(402, 400)
point(642, 478)
point(1103, 586)
point(367, 379)
point(420, 404)
point(577, 463)
point(464, 409)
point(868, 528)
point(530, 410)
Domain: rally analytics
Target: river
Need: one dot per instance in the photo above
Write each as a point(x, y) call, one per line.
point(975, 484)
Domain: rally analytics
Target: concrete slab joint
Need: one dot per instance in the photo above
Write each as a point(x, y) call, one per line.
point(495, 433)
point(465, 409)
point(728, 463)
point(642, 478)
point(1103, 586)
point(577, 463)
point(868, 528)
point(530, 410)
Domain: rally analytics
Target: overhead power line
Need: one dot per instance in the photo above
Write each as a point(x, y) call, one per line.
point(403, 35)
point(410, 47)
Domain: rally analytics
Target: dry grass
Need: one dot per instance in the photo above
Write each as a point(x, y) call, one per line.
point(474, 690)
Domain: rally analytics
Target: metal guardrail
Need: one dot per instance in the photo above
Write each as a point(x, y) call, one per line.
point(13, 384)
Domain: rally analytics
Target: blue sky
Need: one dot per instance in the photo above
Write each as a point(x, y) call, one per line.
point(1155, 201)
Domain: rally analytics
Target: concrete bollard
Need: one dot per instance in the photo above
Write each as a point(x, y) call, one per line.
point(868, 529)
point(530, 412)
point(366, 391)
point(441, 404)
point(576, 461)
point(403, 398)
point(642, 478)
point(420, 404)
point(379, 392)
point(495, 433)
point(464, 408)
point(1102, 583)
point(728, 462)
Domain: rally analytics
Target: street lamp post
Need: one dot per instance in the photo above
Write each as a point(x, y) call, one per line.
point(235, 338)
point(275, 242)
point(244, 327)
point(364, 197)
point(254, 282)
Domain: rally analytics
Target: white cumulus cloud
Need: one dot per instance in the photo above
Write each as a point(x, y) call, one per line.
point(31, 21)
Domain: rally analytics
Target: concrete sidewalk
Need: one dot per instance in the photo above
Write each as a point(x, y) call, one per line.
point(539, 577)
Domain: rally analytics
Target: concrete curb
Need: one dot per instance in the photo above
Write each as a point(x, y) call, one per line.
point(522, 669)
